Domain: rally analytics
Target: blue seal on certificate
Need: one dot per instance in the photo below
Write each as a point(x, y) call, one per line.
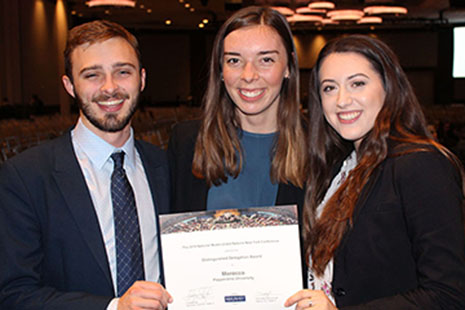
point(235, 298)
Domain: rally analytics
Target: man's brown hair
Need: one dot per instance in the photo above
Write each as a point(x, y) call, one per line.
point(93, 32)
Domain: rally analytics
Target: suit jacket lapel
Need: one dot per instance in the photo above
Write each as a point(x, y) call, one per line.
point(156, 171)
point(157, 174)
point(73, 187)
point(366, 191)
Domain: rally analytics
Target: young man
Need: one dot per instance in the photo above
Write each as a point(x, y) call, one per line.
point(78, 215)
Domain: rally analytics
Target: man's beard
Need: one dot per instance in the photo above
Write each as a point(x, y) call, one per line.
point(110, 122)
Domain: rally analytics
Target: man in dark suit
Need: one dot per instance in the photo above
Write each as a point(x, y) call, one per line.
point(61, 245)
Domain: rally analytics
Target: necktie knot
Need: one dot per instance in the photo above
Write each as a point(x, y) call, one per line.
point(118, 160)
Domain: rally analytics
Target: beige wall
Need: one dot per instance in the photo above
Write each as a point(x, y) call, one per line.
point(416, 50)
point(166, 58)
point(33, 34)
point(10, 75)
point(33, 38)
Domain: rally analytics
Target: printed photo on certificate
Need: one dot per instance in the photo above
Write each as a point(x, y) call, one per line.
point(231, 259)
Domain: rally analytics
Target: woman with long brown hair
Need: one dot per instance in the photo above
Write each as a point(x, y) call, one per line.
point(383, 216)
point(249, 147)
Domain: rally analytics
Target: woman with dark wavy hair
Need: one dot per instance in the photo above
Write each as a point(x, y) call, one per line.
point(383, 216)
point(249, 148)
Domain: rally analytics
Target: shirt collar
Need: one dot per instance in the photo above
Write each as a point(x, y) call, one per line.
point(98, 150)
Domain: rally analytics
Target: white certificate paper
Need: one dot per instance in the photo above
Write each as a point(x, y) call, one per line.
point(231, 259)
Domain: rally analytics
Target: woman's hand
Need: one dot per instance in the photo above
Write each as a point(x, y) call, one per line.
point(310, 299)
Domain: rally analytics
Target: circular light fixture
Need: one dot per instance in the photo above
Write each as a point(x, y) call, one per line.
point(345, 15)
point(321, 5)
point(168, 22)
point(201, 25)
point(283, 10)
point(304, 18)
point(307, 10)
point(384, 9)
point(205, 20)
point(92, 3)
point(329, 21)
point(370, 20)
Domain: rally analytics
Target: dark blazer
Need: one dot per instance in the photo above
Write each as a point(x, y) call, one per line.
point(52, 253)
point(406, 248)
point(189, 193)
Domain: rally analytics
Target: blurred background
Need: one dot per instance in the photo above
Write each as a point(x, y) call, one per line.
point(176, 38)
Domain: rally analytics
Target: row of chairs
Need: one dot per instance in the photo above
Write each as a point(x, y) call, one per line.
point(439, 113)
point(152, 125)
point(10, 146)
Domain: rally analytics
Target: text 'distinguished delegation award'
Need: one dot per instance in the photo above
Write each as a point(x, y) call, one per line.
point(232, 259)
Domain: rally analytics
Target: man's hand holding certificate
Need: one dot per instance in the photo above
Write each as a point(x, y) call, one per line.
point(232, 259)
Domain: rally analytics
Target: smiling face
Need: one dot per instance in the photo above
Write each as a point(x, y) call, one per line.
point(255, 63)
point(107, 81)
point(352, 94)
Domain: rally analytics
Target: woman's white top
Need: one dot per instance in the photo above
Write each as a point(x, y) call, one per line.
point(324, 282)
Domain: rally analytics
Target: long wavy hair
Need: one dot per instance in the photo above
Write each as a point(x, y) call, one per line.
point(218, 152)
point(400, 122)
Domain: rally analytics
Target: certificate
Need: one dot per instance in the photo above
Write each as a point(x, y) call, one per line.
point(231, 259)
